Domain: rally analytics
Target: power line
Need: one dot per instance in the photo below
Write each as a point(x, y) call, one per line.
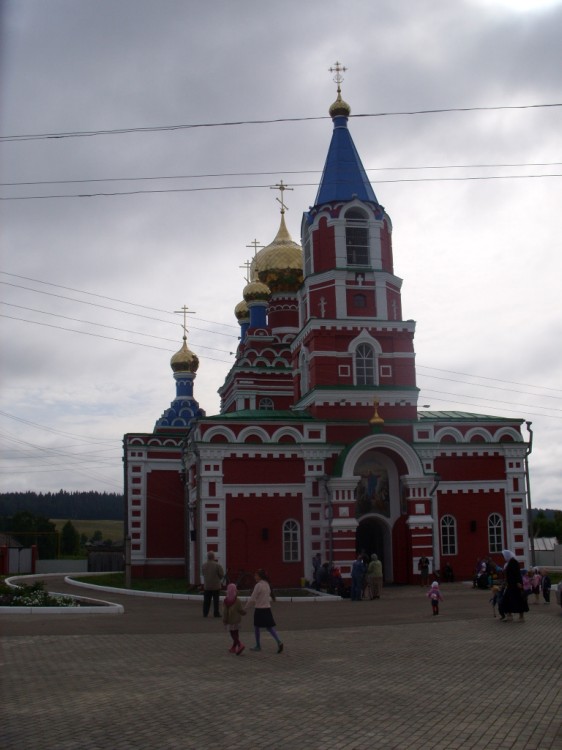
point(493, 387)
point(275, 172)
point(496, 401)
point(484, 377)
point(99, 336)
point(102, 325)
point(111, 299)
point(87, 441)
point(105, 307)
point(472, 406)
point(59, 196)
point(165, 128)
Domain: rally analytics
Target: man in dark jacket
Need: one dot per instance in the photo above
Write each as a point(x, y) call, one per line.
point(212, 576)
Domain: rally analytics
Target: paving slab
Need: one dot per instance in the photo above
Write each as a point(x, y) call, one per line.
point(380, 675)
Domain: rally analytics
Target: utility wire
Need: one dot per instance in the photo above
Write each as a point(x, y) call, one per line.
point(164, 128)
point(484, 377)
point(111, 299)
point(102, 325)
point(105, 307)
point(60, 196)
point(493, 387)
point(276, 172)
point(87, 441)
point(100, 336)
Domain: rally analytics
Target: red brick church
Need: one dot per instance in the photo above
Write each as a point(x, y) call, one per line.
point(319, 446)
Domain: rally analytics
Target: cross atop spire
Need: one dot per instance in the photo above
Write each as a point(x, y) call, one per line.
point(338, 69)
point(247, 265)
point(186, 311)
point(281, 187)
point(255, 244)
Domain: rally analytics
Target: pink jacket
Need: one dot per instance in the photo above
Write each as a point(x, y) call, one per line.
point(434, 594)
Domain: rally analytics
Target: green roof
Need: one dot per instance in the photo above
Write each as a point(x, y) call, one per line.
point(463, 416)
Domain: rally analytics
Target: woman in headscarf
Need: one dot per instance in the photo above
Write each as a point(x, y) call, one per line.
point(513, 599)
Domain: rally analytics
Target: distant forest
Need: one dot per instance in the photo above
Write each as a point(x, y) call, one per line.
point(62, 504)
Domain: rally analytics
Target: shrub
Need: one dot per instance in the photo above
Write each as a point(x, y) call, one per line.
point(33, 595)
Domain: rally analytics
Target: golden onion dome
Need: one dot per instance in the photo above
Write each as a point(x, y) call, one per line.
point(241, 311)
point(255, 290)
point(279, 265)
point(184, 360)
point(339, 107)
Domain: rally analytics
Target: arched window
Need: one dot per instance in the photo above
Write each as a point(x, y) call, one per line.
point(266, 404)
point(356, 238)
point(448, 536)
point(495, 533)
point(291, 541)
point(365, 365)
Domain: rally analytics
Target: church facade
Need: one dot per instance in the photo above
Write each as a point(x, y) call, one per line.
point(320, 446)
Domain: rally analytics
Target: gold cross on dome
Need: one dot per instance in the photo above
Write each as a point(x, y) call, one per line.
point(281, 187)
point(338, 69)
point(255, 244)
point(186, 311)
point(247, 265)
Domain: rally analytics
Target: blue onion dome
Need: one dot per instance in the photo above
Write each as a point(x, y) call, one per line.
point(184, 360)
point(279, 265)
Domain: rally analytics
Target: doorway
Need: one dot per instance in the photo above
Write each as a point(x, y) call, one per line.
point(372, 538)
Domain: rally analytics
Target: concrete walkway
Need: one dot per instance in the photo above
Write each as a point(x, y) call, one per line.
point(353, 675)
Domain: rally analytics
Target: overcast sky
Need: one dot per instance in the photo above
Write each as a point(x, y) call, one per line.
point(89, 283)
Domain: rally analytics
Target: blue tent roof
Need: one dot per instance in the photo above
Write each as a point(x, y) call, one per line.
point(344, 175)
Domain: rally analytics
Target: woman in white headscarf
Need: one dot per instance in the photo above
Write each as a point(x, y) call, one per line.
point(513, 599)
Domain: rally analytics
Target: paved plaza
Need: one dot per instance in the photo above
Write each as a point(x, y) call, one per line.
point(370, 675)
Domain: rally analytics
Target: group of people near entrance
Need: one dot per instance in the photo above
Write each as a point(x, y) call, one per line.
point(233, 610)
point(366, 578)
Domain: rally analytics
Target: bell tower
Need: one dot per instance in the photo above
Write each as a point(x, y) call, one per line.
point(353, 344)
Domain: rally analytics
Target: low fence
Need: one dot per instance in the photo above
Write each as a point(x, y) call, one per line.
point(61, 566)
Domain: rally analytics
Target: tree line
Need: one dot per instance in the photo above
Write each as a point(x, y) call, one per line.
point(89, 505)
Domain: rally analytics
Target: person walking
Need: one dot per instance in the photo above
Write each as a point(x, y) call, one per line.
point(263, 617)
point(435, 596)
point(357, 579)
point(212, 576)
point(232, 613)
point(514, 599)
point(536, 582)
point(423, 567)
point(374, 576)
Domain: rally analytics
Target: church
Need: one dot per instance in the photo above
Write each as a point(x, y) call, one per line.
point(320, 445)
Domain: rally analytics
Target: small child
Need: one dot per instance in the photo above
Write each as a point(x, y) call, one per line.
point(232, 612)
point(536, 581)
point(546, 585)
point(435, 596)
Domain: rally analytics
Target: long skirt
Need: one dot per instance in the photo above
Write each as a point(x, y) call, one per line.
point(514, 600)
point(263, 618)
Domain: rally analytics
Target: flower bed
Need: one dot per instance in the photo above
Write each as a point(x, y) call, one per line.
point(33, 595)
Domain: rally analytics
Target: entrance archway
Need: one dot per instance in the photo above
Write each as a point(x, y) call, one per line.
point(373, 537)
